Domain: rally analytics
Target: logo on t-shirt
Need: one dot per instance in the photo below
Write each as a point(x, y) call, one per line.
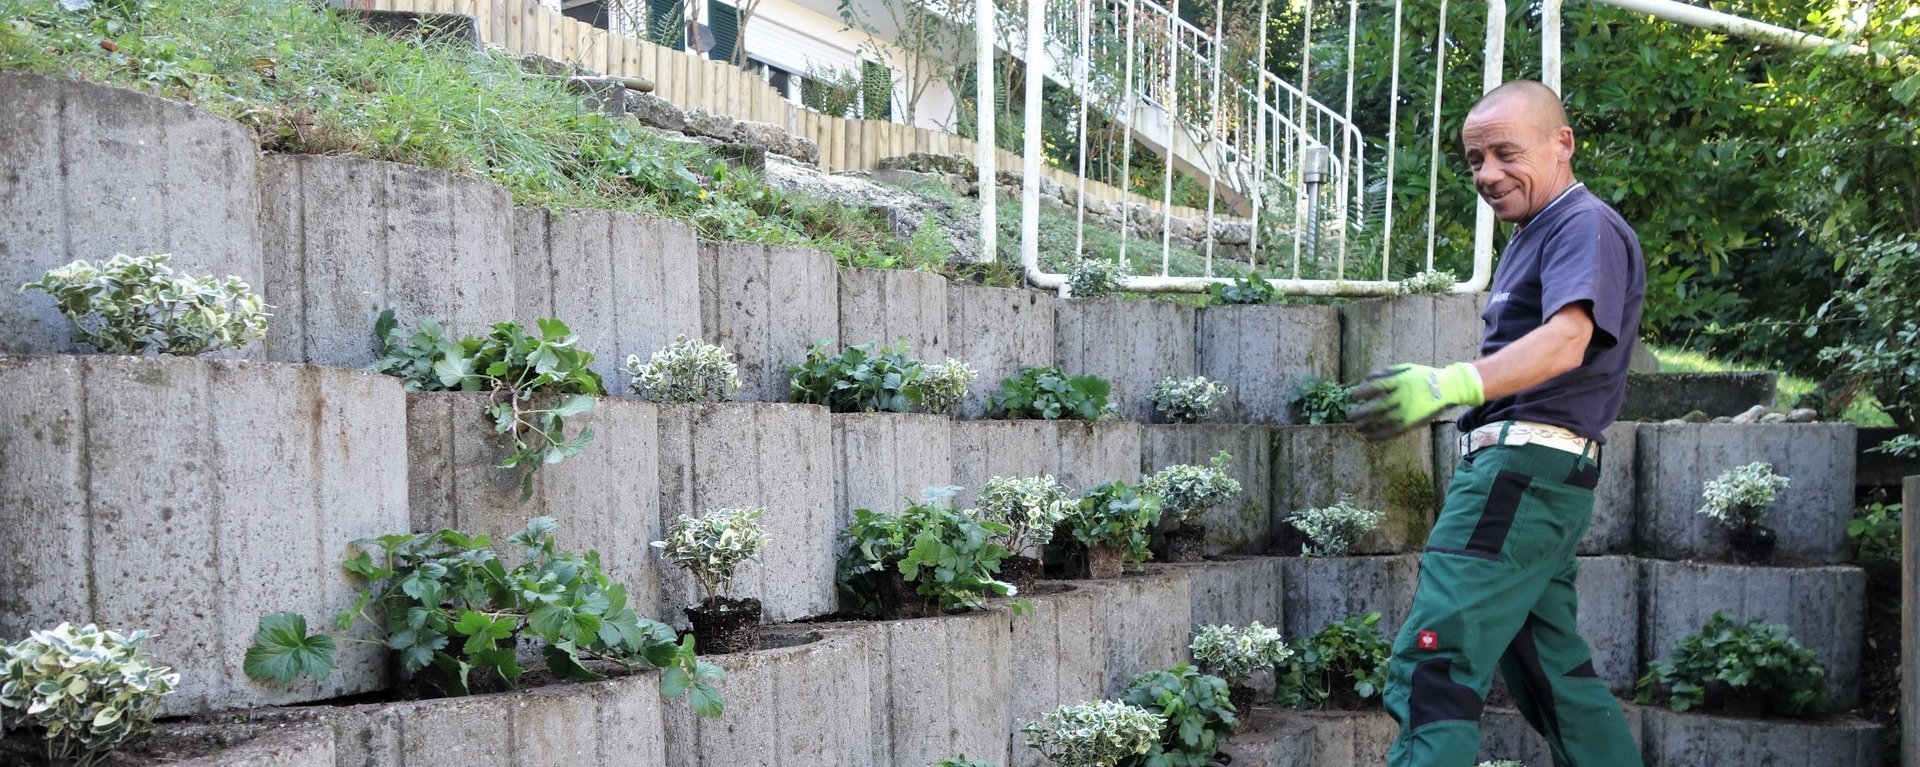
point(1500, 296)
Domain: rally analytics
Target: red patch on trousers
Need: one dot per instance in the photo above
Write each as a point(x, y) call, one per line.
point(1427, 640)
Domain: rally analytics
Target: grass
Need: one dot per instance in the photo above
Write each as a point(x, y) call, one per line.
point(1863, 411)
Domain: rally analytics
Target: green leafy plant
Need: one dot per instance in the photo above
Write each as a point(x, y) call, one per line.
point(1876, 533)
point(1238, 653)
point(1320, 401)
point(688, 370)
point(1094, 734)
point(1047, 393)
point(1429, 281)
point(1333, 530)
point(951, 557)
point(455, 613)
point(860, 379)
point(1028, 507)
point(1116, 515)
point(1740, 495)
point(1903, 446)
point(1758, 661)
point(1346, 660)
point(963, 761)
point(943, 387)
point(1187, 400)
point(1091, 277)
point(1186, 491)
point(1249, 290)
point(516, 369)
point(136, 304)
point(713, 545)
point(85, 690)
point(1198, 716)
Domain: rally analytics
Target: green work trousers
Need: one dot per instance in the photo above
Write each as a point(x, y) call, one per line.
point(1497, 587)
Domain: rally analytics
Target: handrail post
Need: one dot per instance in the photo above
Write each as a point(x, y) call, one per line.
point(983, 84)
point(1030, 180)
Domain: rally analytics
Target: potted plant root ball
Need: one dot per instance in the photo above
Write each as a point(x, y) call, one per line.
point(710, 547)
point(1110, 527)
point(1736, 499)
point(1186, 493)
point(1029, 508)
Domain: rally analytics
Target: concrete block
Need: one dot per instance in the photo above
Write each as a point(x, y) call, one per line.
point(756, 455)
point(1422, 329)
point(1134, 344)
point(292, 746)
point(1264, 353)
point(554, 726)
point(344, 238)
point(625, 283)
point(1822, 607)
point(1242, 525)
point(1659, 396)
point(631, 724)
point(1505, 734)
point(882, 461)
point(808, 703)
point(476, 731)
point(1236, 590)
point(997, 331)
point(1671, 739)
point(1147, 623)
point(605, 498)
point(1342, 738)
point(179, 496)
point(1611, 530)
point(888, 305)
point(1810, 516)
point(1058, 657)
point(93, 171)
point(767, 305)
point(941, 686)
point(1080, 455)
point(1910, 627)
point(1324, 590)
point(1272, 739)
point(1313, 466)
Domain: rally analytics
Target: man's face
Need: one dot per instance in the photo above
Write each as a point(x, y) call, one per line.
point(1518, 163)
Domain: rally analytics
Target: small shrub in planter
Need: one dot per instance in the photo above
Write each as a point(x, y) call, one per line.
point(455, 615)
point(950, 558)
point(1187, 400)
point(536, 382)
point(84, 691)
point(1236, 654)
point(1108, 527)
point(1756, 669)
point(1093, 277)
point(1332, 531)
point(1029, 508)
point(687, 371)
point(1737, 499)
point(1320, 401)
point(1095, 734)
point(711, 547)
point(943, 387)
point(1186, 493)
point(1252, 289)
point(136, 305)
point(1429, 281)
point(860, 379)
point(1047, 393)
point(1199, 716)
point(1343, 667)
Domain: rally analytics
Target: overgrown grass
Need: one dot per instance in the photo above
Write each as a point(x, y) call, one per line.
point(1864, 410)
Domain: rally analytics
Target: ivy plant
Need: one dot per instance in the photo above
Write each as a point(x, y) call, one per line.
point(1198, 716)
point(1095, 734)
point(1186, 491)
point(136, 305)
point(85, 691)
point(1091, 277)
point(1429, 281)
point(1118, 515)
point(1349, 652)
point(1741, 494)
point(1757, 659)
point(455, 613)
point(943, 387)
point(1187, 400)
point(948, 555)
point(1028, 508)
point(1332, 531)
point(1252, 289)
point(713, 545)
point(688, 370)
point(1047, 393)
point(860, 379)
point(1321, 401)
point(517, 369)
point(1238, 653)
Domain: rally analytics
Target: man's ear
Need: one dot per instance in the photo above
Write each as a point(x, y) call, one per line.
point(1563, 143)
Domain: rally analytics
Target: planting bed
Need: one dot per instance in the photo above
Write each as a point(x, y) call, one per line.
point(1820, 606)
point(1243, 524)
point(1810, 516)
point(997, 331)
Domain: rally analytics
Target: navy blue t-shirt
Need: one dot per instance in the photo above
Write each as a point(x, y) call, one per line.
point(1577, 250)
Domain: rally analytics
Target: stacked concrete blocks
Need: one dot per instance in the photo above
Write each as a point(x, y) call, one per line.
point(1146, 625)
point(1273, 738)
point(1421, 329)
point(888, 305)
point(1264, 354)
point(1241, 525)
point(306, 746)
point(1134, 344)
point(941, 686)
point(1505, 734)
point(1611, 530)
point(997, 331)
point(189, 498)
point(1910, 626)
point(344, 238)
point(1058, 658)
point(1079, 455)
point(1669, 739)
point(1236, 591)
point(1340, 738)
point(803, 704)
point(767, 305)
point(1820, 606)
point(1324, 590)
point(93, 171)
point(1810, 516)
point(1317, 466)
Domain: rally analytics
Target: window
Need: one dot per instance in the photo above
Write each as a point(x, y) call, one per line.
point(724, 20)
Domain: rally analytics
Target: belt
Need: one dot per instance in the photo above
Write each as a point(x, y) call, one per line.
point(1525, 433)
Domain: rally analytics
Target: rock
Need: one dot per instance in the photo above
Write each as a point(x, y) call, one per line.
point(768, 135)
point(1803, 415)
point(1722, 419)
point(1774, 418)
point(1196, 228)
point(1233, 233)
point(928, 162)
point(805, 150)
point(536, 64)
point(1752, 415)
point(700, 122)
point(657, 112)
point(1696, 416)
point(738, 155)
point(603, 94)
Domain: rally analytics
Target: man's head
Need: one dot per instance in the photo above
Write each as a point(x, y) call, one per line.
point(1520, 148)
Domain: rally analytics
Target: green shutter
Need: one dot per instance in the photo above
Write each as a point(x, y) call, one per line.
point(667, 23)
point(724, 20)
point(876, 90)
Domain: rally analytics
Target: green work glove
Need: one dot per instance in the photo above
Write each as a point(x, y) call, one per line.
point(1401, 397)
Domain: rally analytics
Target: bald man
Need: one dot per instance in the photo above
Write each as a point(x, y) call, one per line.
point(1497, 574)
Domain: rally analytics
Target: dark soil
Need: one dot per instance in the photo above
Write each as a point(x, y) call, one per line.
point(1021, 572)
point(1752, 545)
point(1102, 562)
point(1242, 699)
point(723, 625)
point(899, 599)
point(1186, 543)
point(1880, 654)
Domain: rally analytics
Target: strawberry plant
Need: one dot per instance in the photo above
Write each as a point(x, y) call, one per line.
point(1047, 393)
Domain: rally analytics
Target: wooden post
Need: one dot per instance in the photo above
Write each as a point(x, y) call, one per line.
point(1910, 625)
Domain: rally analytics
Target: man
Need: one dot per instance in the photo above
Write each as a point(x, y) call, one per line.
point(1497, 575)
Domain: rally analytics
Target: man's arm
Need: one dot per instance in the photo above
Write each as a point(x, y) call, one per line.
point(1539, 356)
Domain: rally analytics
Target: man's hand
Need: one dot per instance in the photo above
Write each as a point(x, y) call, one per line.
point(1401, 397)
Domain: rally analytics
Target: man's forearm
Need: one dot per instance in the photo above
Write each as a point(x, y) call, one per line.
point(1539, 356)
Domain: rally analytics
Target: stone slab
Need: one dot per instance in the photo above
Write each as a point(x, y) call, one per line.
point(1671, 739)
point(1314, 466)
point(1079, 455)
point(808, 703)
point(1611, 529)
point(627, 284)
point(888, 305)
point(1241, 525)
point(1659, 396)
point(344, 238)
point(1323, 590)
point(1147, 623)
point(188, 498)
point(1236, 591)
point(1134, 344)
point(1264, 354)
point(93, 171)
point(1058, 658)
point(997, 331)
point(1822, 607)
point(767, 305)
point(1422, 329)
point(883, 461)
point(1505, 734)
point(1810, 516)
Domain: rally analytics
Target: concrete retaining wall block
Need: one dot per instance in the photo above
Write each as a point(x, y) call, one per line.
point(1080, 455)
point(617, 721)
point(1341, 738)
point(625, 283)
point(882, 461)
point(1134, 344)
point(1243, 525)
point(1236, 590)
point(605, 498)
point(1264, 353)
point(888, 305)
point(1147, 623)
point(997, 331)
point(767, 305)
point(941, 686)
point(1273, 738)
point(756, 455)
point(1820, 606)
point(1422, 329)
point(807, 704)
point(344, 238)
point(1611, 531)
point(1810, 516)
point(93, 171)
point(1669, 739)
point(1058, 658)
point(1323, 590)
point(1505, 734)
point(1313, 466)
point(189, 498)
